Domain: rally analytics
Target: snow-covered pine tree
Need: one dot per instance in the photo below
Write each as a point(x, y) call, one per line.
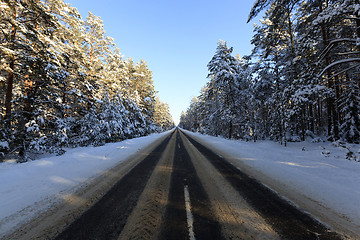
point(275, 47)
point(30, 28)
point(97, 47)
point(162, 116)
point(206, 111)
point(182, 119)
point(305, 79)
point(144, 87)
point(193, 116)
point(261, 92)
point(223, 69)
point(115, 74)
point(69, 37)
point(350, 109)
point(64, 83)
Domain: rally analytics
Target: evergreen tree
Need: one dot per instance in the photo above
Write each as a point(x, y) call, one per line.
point(350, 109)
point(64, 83)
point(223, 71)
point(304, 82)
point(162, 116)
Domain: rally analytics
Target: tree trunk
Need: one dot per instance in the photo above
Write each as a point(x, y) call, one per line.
point(358, 38)
point(303, 123)
point(358, 28)
point(331, 107)
point(230, 130)
point(10, 79)
point(336, 108)
point(10, 82)
point(292, 43)
point(311, 115)
point(329, 100)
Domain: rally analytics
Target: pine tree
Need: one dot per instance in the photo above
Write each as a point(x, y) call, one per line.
point(223, 70)
point(97, 47)
point(144, 88)
point(162, 116)
point(350, 108)
point(64, 83)
point(305, 80)
point(30, 29)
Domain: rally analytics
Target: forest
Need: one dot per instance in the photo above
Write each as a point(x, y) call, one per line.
point(302, 78)
point(64, 83)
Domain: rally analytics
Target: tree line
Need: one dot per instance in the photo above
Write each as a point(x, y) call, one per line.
point(64, 83)
point(301, 79)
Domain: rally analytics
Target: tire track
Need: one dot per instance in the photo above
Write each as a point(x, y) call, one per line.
point(286, 219)
point(146, 219)
point(106, 219)
point(237, 218)
point(175, 219)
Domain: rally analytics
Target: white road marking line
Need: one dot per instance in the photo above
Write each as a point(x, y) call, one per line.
point(189, 216)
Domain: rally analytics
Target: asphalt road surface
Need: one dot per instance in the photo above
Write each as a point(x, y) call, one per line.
point(180, 189)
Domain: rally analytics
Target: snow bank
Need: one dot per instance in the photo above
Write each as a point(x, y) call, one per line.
point(30, 188)
point(319, 171)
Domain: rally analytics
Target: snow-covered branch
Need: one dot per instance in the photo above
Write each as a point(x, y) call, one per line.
point(331, 45)
point(348, 53)
point(337, 63)
point(345, 70)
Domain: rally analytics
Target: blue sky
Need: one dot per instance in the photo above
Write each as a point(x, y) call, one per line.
point(176, 38)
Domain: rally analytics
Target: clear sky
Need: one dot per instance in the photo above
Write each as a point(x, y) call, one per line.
point(177, 38)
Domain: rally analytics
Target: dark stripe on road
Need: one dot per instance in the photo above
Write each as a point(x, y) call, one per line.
point(107, 218)
point(286, 219)
point(175, 222)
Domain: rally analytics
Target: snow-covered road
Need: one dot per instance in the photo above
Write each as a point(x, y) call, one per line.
point(317, 177)
point(314, 176)
point(31, 188)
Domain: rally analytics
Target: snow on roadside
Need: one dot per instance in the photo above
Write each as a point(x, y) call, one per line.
point(30, 188)
point(320, 171)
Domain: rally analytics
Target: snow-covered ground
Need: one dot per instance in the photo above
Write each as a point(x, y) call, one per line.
point(30, 188)
point(318, 171)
